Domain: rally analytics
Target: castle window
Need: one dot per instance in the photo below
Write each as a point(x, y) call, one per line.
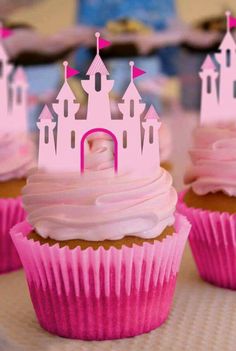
point(66, 109)
point(208, 85)
point(151, 135)
point(46, 135)
point(72, 139)
point(131, 107)
point(1, 68)
point(228, 58)
point(98, 81)
point(124, 139)
point(234, 89)
point(18, 95)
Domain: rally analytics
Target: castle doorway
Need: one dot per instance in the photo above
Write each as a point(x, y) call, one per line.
point(95, 131)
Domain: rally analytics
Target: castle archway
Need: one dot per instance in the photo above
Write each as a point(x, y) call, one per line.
point(97, 130)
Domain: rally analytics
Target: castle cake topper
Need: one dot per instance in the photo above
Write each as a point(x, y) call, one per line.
point(218, 96)
point(13, 105)
point(66, 149)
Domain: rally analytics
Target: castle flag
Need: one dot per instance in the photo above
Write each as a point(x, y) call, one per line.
point(103, 43)
point(232, 22)
point(137, 72)
point(5, 32)
point(70, 72)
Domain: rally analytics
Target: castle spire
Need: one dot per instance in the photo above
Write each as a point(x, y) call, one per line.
point(131, 63)
point(228, 14)
point(47, 152)
point(65, 64)
point(18, 103)
point(97, 35)
point(150, 150)
point(209, 97)
point(5, 70)
point(97, 65)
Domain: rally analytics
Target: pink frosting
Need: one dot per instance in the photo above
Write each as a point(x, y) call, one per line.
point(213, 160)
point(99, 205)
point(17, 155)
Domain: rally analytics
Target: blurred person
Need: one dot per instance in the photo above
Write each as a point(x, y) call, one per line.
point(156, 50)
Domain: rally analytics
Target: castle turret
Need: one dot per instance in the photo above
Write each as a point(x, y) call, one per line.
point(47, 153)
point(18, 107)
point(131, 108)
point(98, 87)
point(209, 99)
point(5, 69)
point(66, 108)
point(151, 152)
point(227, 60)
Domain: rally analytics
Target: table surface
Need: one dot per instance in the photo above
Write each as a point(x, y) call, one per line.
point(203, 317)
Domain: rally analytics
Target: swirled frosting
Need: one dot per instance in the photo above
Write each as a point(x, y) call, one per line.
point(213, 160)
point(98, 205)
point(17, 155)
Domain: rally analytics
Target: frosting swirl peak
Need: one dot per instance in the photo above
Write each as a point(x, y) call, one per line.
point(98, 205)
point(213, 160)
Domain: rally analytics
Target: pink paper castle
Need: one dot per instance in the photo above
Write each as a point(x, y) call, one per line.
point(67, 150)
point(13, 104)
point(218, 98)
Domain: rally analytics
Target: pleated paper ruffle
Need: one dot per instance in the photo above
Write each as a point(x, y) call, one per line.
point(101, 294)
point(11, 213)
point(213, 244)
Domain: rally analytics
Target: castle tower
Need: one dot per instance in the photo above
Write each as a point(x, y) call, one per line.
point(47, 154)
point(67, 146)
point(18, 108)
point(98, 87)
point(227, 61)
point(5, 69)
point(209, 98)
point(131, 108)
point(151, 152)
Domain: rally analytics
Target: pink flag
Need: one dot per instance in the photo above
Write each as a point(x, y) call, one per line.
point(5, 32)
point(232, 22)
point(103, 43)
point(137, 72)
point(70, 72)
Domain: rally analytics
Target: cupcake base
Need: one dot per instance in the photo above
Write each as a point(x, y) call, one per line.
point(99, 294)
point(11, 213)
point(107, 317)
point(213, 243)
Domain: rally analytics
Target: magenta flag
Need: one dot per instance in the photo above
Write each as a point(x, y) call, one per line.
point(137, 72)
point(103, 43)
point(70, 72)
point(5, 32)
point(232, 22)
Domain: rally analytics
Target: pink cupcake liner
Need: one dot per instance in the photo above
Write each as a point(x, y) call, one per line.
point(11, 213)
point(101, 294)
point(213, 243)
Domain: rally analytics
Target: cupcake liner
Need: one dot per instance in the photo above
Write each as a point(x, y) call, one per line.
point(101, 294)
point(213, 244)
point(11, 213)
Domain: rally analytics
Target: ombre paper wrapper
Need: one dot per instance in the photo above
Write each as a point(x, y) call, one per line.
point(101, 294)
point(213, 243)
point(11, 213)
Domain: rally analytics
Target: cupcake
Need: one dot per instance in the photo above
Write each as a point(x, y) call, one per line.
point(16, 158)
point(102, 244)
point(210, 201)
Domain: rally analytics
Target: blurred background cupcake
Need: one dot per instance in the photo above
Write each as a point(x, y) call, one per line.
point(210, 201)
point(17, 155)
